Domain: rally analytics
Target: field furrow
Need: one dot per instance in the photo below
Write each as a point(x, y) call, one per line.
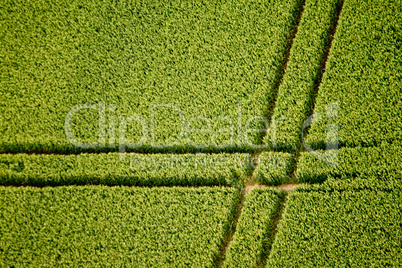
point(140, 133)
point(252, 232)
point(132, 170)
point(303, 73)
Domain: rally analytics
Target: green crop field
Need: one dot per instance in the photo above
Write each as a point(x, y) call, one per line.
point(383, 162)
point(135, 169)
point(274, 168)
point(302, 73)
point(201, 133)
point(340, 227)
point(251, 238)
point(363, 78)
point(144, 75)
point(113, 226)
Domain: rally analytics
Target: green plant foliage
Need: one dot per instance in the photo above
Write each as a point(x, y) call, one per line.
point(363, 75)
point(348, 183)
point(113, 226)
point(255, 222)
point(274, 168)
point(383, 162)
point(135, 169)
point(350, 227)
point(295, 94)
point(201, 57)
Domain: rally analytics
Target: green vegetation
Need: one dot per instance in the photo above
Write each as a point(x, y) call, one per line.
point(135, 169)
point(97, 96)
point(383, 162)
point(348, 183)
point(252, 233)
point(363, 76)
point(202, 58)
point(113, 226)
point(302, 75)
point(274, 168)
point(351, 227)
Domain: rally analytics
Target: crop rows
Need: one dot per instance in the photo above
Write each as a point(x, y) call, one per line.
point(343, 226)
point(382, 162)
point(140, 75)
point(252, 232)
point(113, 226)
point(135, 169)
point(350, 183)
point(298, 87)
point(139, 169)
point(274, 168)
point(359, 102)
point(200, 93)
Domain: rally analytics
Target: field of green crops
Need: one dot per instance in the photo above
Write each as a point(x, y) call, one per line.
point(145, 75)
point(134, 170)
point(201, 133)
point(252, 234)
point(113, 226)
point(338, 227)
point(363, 77)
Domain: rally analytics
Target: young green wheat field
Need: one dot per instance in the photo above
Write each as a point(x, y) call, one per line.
point(205, 133)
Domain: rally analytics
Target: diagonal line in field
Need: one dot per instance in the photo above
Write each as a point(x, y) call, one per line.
point(255, 156)
point(325, 57)
point(281, 211)
point(271, 106)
